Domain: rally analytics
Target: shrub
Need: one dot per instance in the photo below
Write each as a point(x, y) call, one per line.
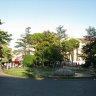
point(29, 60)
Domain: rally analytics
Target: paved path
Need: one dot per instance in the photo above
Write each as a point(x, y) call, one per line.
point(10, 86)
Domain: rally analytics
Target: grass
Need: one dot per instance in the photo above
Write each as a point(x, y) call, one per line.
point(37, 73)
point(16, 72)
point(25, 72)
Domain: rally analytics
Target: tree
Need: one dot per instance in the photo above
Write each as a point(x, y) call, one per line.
point(29, 60)
point(89, 54)
point(6, 54)
point(5, 38)
point(61, 32)
point(35, 39)
point(68, 48)
point(89, 51)
point(46, 44)
point(91, 31)
point(23, 42)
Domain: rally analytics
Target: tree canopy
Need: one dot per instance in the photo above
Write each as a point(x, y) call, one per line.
point(5, 51)
point(5, 38)
point(23, 43)
point(89, 50)
point(91, 31)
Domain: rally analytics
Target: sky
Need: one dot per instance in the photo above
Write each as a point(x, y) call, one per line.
point(41, 15)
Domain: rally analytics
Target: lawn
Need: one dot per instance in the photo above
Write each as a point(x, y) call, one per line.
point(16, 72)
point(41, 73)
point(25, 72)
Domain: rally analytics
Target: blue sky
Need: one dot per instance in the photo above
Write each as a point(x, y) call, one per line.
point(40, 15)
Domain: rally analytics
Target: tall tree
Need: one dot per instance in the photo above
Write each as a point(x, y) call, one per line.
point(7, 54)
point(61, 32)
point(46, 47)
point(91, 31)
point(5, 38)
point(23, 42)
point(68, 48)
point(89, 49)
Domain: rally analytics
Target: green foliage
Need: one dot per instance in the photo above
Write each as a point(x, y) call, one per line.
point(89, 54)
point(91, 31)
point(29, 60)
point(48, 50)
point(16, 72)
point(38, 38)
point(35, 38)
point(24, 42)
point(61, 32)
point(46, 45)
point(5, 59)
point(89, 50)
point(70, 44)
point(6, 53)
point(56, 54)
point(68, 47)
point(5, 38)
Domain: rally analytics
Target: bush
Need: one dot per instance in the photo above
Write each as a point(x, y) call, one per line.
point(29, 60)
